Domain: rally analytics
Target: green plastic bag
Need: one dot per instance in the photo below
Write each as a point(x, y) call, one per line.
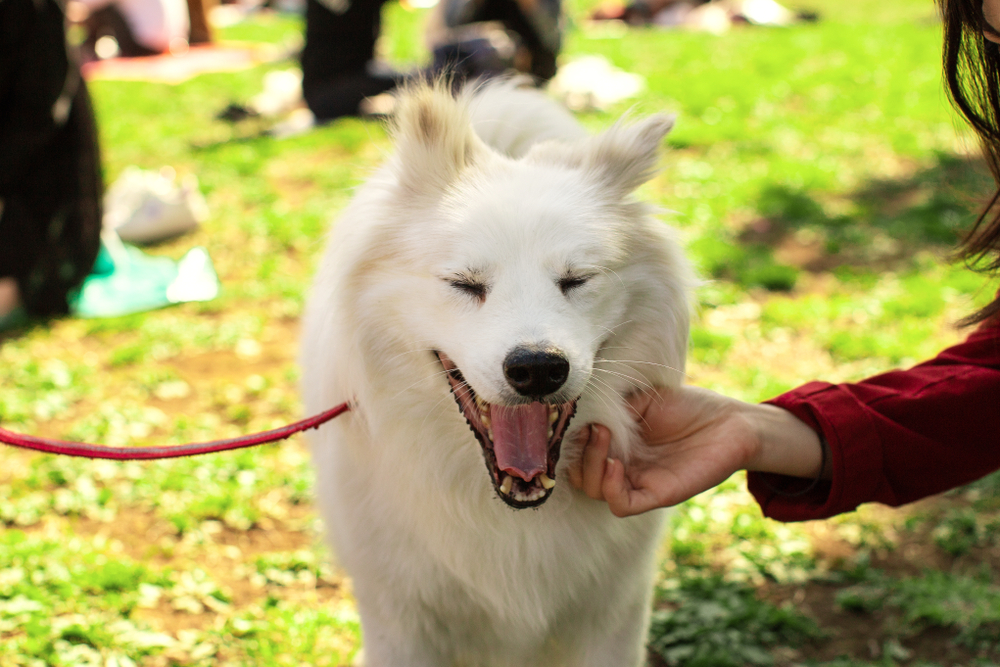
point(125, 280)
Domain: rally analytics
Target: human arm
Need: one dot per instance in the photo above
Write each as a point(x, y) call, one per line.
point(892, 439)
point(695, 439)
point(900, 436)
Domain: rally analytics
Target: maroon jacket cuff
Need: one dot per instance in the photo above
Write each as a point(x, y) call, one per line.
point(899, 436)
point(854, 445)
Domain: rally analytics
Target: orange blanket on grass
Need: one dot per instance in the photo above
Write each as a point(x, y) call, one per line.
point(171, 68)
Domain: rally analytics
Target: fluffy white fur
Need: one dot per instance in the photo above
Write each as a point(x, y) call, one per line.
point(504, 183)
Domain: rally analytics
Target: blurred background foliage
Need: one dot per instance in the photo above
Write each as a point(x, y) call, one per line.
point(818, 178)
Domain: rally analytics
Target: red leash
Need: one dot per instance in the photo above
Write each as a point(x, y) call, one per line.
point(144, 453)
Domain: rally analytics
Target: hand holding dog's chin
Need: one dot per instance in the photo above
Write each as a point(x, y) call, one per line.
point(694, 440)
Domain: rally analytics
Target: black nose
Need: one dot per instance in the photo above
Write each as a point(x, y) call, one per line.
point(536, 371)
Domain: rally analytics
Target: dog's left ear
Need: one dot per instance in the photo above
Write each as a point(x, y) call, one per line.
point(626, 156)
point(434, 138)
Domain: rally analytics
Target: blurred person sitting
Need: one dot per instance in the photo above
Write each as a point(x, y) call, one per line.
point(339, 69)
point(131, 28)
point(50, 178)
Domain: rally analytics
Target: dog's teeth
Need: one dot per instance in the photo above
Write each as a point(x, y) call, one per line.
point(551, 433)
point(485, 419)
point(553, 416)
point(532, 494)
point(546, 481)
point(506, 484)
point(489, 433)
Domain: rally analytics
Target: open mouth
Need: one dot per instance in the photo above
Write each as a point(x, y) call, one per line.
point(520, 443)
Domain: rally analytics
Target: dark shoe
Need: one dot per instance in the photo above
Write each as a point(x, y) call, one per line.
point(341, 96)
point(15, 319)
point(537, 31)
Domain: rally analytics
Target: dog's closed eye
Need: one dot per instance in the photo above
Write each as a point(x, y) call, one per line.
point(569, 283)
point(470, 286)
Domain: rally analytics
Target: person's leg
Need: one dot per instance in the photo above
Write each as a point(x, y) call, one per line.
point(337, 57)
point(52, 221)
point(9, 297)
point(50, 179)
point(201, 29)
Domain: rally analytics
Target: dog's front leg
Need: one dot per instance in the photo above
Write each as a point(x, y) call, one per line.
point(622, 645)
point(394, 635)
point(611, 627)
point(382, 651)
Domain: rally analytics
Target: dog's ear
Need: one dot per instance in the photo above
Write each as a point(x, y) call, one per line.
point(434, 138)
point(625, 157)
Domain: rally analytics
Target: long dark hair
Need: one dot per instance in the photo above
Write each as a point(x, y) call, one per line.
point(972, 71)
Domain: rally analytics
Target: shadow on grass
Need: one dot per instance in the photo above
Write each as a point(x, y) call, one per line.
point(884, 225)
point(889, 220)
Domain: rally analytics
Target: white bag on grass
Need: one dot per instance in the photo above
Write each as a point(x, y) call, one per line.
point(147, 207)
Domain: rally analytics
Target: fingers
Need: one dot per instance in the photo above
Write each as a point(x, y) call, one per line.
point(616, 489)
point(588, 475)
point(575, 470)
point(595, 456)
point(624, 500)
point(603, 478)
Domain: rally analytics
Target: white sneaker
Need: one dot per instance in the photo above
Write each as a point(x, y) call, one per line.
point(148, 207)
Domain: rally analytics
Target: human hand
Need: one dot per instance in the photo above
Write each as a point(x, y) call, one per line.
point(694, 440)
point(76, 11)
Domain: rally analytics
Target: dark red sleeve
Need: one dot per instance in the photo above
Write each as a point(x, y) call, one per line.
point(897, 437)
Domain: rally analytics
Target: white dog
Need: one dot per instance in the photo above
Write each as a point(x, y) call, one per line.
point(499, 262)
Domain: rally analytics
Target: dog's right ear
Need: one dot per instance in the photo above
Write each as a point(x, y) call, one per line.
point(434, 138)
point(625, 157)
point(621, 159)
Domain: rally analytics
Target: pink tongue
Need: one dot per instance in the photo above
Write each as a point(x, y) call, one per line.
point(521, 439)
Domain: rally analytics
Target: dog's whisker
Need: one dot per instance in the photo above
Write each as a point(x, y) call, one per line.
point(643, 419)
point(610, 331)
point(431, 361)
point(606, 270)
point(441, 400)
point(639, 361)
point(605, 391)
point(599, 394)
point(433, 408)
point(612, 392)
point(634, 381)
point(386, 362)
point(421, 367)
point(406, 389)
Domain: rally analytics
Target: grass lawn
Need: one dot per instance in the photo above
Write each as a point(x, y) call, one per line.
point(818, 177)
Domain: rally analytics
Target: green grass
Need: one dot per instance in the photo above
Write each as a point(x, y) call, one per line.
point(710, 622)
point(818, 178)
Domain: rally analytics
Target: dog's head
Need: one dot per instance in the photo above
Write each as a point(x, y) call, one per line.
point(538, 285)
